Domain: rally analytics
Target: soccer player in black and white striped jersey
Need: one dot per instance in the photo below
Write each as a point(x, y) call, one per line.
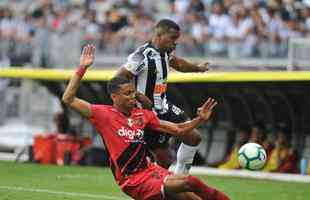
point(148, 66)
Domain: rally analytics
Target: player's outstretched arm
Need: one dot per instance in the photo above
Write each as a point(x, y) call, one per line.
point(182, 65)
point(69, 96)
point(179, 129)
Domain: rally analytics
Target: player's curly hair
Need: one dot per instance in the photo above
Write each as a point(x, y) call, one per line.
point(166, 26)
point(115, 83)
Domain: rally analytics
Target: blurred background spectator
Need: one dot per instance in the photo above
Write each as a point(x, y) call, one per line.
point(283, 157)
point(242, 137)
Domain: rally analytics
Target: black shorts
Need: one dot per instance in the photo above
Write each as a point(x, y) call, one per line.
point(155, 139)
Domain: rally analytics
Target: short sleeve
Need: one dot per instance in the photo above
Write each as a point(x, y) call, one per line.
point(135, 63)
point(153, 120)
point(98, 113)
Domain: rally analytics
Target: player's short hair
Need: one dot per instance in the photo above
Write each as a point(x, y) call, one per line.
point(115, 83)
point(166, 26)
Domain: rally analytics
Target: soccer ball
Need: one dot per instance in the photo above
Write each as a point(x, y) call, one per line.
point(252, 156)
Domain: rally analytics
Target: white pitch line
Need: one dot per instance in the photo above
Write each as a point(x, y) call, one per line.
point(103, 197)
point(251, 174)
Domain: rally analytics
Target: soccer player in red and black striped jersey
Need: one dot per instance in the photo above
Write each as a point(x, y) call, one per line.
point(121, 127)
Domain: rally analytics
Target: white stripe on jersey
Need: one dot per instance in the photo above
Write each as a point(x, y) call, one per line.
point(137, 63)
point(141, 80)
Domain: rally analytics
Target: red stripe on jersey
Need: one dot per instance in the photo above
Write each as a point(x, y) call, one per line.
point(136, 161)
point(123, 137)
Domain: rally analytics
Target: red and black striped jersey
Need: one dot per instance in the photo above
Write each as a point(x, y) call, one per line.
point(123, 137)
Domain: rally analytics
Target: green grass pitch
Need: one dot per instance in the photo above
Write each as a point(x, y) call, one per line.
point(37, 182)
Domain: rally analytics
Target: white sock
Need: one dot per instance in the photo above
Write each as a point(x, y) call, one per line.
point(185, 157)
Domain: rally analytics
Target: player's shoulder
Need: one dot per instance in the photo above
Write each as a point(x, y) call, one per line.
point(102, 107)
point(142, 51)
point(99, 112)
point(139, 52)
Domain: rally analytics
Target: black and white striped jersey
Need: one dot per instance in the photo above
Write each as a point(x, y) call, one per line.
point(150, 68)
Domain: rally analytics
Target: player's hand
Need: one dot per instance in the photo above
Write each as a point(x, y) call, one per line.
point(88, 56)
point(144, 100)
point(203, 67)
point(206, 109)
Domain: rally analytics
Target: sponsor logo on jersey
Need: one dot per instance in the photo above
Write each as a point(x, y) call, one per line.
point(177, 110)
point(160, 88)
point(137, 134)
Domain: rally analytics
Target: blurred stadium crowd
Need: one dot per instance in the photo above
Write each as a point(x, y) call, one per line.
point(40, 31)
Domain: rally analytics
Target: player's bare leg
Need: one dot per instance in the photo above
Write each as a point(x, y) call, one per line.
point(163, 156)
point(187, 151)
point(172, 182)
point(192, 139)
point(185, 154)
point(180, 186)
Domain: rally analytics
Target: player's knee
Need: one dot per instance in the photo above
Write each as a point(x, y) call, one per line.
point(197, 139)
point(194, 140)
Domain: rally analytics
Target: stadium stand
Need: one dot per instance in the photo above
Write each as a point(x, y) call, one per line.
point(37, 31)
